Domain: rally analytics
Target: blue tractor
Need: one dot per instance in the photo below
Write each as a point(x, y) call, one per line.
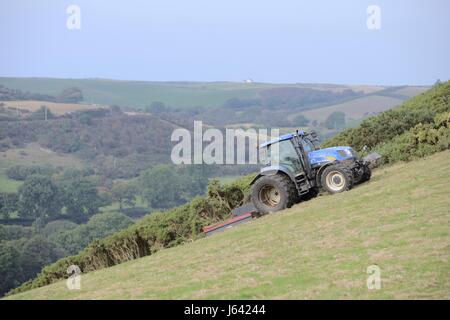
point(296, 168)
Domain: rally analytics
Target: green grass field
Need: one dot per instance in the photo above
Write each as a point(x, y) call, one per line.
point(319, 249)
point(8, 185)
point(32, 154)
point(354, 109)
point(142, 93)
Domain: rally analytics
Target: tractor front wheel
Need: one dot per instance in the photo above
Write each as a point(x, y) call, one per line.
point(273, 193)
point(336, 178)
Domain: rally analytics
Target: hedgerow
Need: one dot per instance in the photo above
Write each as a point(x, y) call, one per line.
point(419, 141)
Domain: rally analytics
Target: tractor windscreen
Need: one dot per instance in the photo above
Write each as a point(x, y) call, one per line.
point(281, 153)
point(308, 146)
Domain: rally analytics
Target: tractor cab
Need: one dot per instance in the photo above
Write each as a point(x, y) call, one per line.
point(294, 167)
point(289, 151)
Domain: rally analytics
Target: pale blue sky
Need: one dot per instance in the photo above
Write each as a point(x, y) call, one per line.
point(213, 40)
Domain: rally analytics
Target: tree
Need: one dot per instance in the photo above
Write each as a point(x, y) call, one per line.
point(71, 95)
point(300, 121)
point(39, 197)
point(14, 232)
point(335, 120)
point(37, 253)
point(124, 193)
point(8, 204)
point(156, 107)
point(10, 267)
point(161, 187)
point(58, 226)
point(99, 226)
point(43, 113)
point(81, 199)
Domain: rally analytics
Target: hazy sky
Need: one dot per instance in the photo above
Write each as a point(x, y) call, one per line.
point(213, 40)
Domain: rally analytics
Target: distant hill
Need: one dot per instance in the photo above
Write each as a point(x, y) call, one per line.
point(116, 144)
point(178, 94)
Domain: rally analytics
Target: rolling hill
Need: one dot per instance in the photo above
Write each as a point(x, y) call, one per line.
point(180, 94)
point(319, 249)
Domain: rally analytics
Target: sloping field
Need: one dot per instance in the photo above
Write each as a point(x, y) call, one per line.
point(355, 109)
point(399, 221)
point(34, 154)
point(55, 107)
point(411, 91)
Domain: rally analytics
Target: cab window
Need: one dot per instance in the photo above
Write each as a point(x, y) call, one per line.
point(287, 156)
point(307, 145)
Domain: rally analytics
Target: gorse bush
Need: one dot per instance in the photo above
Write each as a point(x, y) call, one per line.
point(419, 141)
point(20, 172)
point(152, 233)
point(72, 238)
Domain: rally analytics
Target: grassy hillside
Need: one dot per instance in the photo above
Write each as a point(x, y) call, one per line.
point(355, 109)
point(317, 249)
point(31, 154)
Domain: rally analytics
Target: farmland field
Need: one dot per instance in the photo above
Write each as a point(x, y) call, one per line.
point(33, 154)
point(6, 184)
point(55, 107)
point(355, 109)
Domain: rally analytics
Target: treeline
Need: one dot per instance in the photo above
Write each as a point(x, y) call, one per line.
point(21, 172)
point(154, 232)
point(43, 198)
point(271, 108)
point(69, 95)
point(417, 128)
point(76, 194)
point(117, 145)
point(65, 207)
point(24, 251)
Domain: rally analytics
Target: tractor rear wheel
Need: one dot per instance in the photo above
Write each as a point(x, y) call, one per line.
point(273, 193)
point(336, 178)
